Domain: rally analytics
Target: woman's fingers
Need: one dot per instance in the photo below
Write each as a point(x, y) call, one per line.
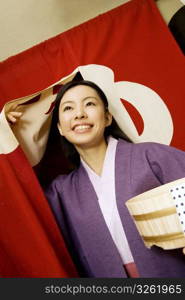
point(183, 251)
point(13, 116)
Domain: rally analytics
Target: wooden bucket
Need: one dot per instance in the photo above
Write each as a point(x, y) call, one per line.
point(159, 215)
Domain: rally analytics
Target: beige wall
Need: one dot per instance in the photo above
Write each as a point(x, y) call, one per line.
point(24, 23)
point(169, 7)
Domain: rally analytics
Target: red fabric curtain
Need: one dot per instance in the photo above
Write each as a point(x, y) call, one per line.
point(135, 43)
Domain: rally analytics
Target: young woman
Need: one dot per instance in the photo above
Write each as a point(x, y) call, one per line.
point(89, 202)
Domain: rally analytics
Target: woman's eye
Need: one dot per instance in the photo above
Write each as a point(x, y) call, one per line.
point(67, 108)
point(90, 103)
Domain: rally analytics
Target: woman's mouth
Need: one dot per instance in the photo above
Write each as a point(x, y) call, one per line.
point(82, 128)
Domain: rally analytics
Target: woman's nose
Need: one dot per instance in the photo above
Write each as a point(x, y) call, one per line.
point(80, 113)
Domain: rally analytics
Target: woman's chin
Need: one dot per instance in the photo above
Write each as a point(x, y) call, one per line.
point(85, 139)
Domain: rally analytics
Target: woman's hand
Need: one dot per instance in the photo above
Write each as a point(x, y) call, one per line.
point(13, 116)
point(183, 251)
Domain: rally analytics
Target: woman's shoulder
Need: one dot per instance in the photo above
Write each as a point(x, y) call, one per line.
point(61, 180)
point(59, 186)
point(150, 149)
point(148, 145)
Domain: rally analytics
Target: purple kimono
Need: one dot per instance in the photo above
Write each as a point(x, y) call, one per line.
point(139, 167)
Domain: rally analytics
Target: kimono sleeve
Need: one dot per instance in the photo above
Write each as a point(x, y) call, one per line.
point(53, 196)
point(166, 162)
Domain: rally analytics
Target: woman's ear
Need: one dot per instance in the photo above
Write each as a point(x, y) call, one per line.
point(108, 117)
point(60, 129)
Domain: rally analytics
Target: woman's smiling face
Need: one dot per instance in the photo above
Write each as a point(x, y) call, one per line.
point(83, 117)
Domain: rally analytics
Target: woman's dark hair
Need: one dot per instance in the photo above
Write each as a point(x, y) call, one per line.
point(69, 150)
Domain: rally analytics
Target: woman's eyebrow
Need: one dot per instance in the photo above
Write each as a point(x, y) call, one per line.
point(71, 101)
point(89, 97)
point(67, 102)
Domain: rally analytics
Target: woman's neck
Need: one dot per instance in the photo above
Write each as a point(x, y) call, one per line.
point(94, 156)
